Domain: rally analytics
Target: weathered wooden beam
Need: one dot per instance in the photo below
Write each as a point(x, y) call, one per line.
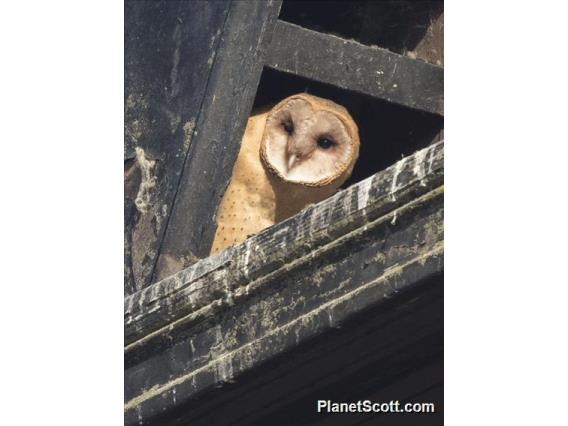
point(210, 323)
point(393, 351)
point(353, 66)
point(170, 47)
point(201, 284)
point(218, 131)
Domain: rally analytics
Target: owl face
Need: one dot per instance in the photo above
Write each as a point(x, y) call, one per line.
point(310, 141)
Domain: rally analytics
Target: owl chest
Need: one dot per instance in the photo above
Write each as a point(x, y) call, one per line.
point(248, 205)
point(255, 200)
point(250, 198)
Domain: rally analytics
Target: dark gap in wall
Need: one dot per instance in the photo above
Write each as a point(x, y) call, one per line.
point(387, 131)
point(396, 25)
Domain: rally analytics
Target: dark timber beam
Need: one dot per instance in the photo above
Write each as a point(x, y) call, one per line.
point(217, 134)
point(169, 50)
point(353, 66)
point(227, 315)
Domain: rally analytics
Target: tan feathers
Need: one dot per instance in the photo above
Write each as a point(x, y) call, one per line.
point(295, 154)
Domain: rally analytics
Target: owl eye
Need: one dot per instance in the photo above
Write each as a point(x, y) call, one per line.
point(288, 127)
point(325, 143)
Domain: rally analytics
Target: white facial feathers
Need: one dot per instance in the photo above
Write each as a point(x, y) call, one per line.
point(306, 144)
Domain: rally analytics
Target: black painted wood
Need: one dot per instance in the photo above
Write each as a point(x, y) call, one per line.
point(227, 315)
point(391, 351)
point(399, 26)
point(169, 50)
point(283, 244)
point(220, 126)
point(342, 300)
point(353, 66)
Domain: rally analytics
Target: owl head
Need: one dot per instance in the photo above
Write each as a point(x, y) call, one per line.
point(310, 141)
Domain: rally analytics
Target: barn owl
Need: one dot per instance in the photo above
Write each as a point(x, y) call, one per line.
point(296, 153)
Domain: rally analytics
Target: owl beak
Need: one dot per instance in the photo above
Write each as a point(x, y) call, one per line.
point(292, 159)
